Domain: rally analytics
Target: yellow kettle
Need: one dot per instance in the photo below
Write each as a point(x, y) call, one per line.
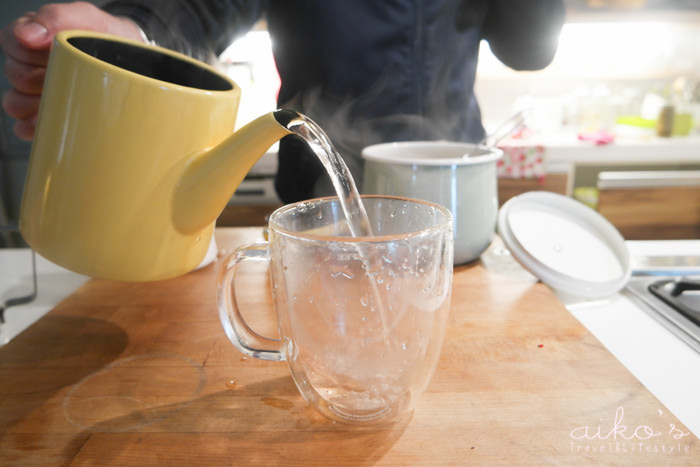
point(134, 157)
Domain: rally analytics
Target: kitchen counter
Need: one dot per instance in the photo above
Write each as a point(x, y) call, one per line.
point(564, 150)
point(126, 374)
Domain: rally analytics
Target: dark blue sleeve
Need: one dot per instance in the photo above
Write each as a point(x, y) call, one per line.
point(524, 34)
point(199, 28)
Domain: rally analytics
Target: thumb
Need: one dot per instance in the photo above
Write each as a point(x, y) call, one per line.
point(32, 34)
point(36, 30)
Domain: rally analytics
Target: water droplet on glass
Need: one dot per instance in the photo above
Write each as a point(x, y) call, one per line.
point(341, 271)
point(364, 300)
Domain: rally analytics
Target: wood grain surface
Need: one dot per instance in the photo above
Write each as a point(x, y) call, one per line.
point(143, 374)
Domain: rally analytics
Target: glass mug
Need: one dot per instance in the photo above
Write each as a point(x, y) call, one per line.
point(361, 319)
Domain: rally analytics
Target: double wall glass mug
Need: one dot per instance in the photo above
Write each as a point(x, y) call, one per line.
point(361, 319)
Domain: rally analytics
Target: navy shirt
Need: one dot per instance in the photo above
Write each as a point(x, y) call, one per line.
point(366, 71)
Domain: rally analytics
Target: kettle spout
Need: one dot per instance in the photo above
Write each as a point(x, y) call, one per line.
point(211, 177)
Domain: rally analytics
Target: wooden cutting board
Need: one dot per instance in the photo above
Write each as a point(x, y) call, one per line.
point(142, 374)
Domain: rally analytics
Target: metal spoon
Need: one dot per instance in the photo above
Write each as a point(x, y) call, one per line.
point(507, 128)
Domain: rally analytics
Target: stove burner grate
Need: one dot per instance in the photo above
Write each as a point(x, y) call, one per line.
point(674, 301)
point(682, 294)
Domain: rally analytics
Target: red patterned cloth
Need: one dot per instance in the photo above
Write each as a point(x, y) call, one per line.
point(522, 162)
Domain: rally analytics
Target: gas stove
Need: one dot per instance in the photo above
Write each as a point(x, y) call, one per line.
point(674, 301)
point(665, 283)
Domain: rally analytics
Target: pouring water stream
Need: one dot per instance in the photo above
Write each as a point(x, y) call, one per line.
point(344, 185)
point(350, 200)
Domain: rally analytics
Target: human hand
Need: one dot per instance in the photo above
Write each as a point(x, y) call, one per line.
point(26, 43)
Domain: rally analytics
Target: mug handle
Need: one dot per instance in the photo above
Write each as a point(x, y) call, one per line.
point(242, 336)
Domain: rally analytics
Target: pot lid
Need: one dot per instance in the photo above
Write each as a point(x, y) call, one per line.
point(566, 244)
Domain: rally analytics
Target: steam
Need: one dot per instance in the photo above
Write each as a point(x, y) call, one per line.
point(392, 109)
point(345, 120)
